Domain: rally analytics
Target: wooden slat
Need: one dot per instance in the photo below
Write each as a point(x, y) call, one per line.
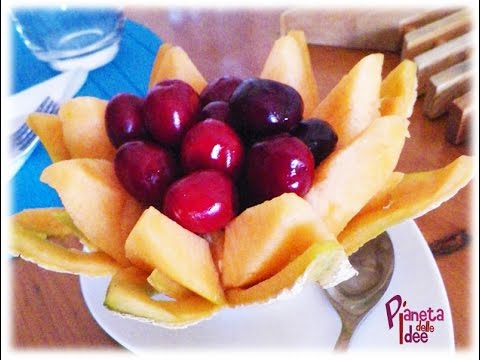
point(446, 86)
point(422, 18)
point(435, 33)
point(460, 114)
point(349, 28)
point(440, 58)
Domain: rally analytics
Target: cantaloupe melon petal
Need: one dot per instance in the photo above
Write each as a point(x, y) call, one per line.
point(289, 63)
point(157, 242)
point(384, 195)
point(415, 195)
point(350, 177)
point(398, 92)
point(49, 129)
point(52, 221)
point(162, 51)
point(165, 285)
point(130, 294)
point(354, 102)
point(317, 263)
point(173, 63)
point(84, 130)
point(96, 201)
point(264, 238)
point(30, 241)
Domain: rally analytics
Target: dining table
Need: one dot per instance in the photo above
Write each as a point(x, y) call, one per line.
point(48, 309)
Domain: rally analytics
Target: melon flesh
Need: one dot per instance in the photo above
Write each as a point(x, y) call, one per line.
point(30, 239)
point(216, 240)
point(354, 102)
point(84, 131)
point(172, 62)
point(265, 238)
point(398, 92)
point(97, 203)
point(130, 295)
point(382, 196)
point(162, 51)
point(350, 177)
point(289, 63)
point(157, 242)
point(415, 195)
point(51, 221)
point(165, 285)
point(320, 262)
point(49, 128)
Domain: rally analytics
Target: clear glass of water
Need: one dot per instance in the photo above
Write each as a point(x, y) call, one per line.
point(71, 37)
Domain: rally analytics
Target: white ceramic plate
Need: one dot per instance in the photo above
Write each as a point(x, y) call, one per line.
point(306, 320)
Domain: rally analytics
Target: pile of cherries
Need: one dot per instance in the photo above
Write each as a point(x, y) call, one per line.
point(187, 154)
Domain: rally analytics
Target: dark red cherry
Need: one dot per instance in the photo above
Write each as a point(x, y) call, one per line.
point(145, 170)
point(262, 107)
point(212, 144)
point(123, 119)
point(278, 165)
point(218, 110)
point(171, 108)
point(220, 89)
point(318, 135)
point(202, 202)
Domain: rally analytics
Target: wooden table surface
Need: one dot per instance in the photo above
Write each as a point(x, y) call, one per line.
point(48, 308)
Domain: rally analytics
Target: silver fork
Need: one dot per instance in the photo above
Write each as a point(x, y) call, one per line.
point(23, 137)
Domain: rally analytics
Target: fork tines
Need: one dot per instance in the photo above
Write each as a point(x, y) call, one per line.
point(24, 136)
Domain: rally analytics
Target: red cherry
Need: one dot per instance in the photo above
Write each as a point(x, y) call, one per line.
point(170, 109)
point(201, 202)
point(145, 170)
point(123, 119)
point(278, 165)
point(218, 110)
point(265, 107)
point(212, 144)
point(220, 89)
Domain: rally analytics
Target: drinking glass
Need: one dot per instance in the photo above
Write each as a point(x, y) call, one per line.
point(70, 37)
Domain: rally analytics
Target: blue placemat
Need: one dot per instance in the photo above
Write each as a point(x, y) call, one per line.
point(128, 72)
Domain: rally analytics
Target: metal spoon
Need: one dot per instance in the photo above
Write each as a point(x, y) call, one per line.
point(354, 298)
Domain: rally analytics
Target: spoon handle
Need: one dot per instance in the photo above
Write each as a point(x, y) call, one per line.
point(343, 339)
point(349, 324)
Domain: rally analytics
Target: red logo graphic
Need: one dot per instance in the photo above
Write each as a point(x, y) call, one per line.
point(422, 322)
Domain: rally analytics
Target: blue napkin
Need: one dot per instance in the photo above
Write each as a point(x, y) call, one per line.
point(128, 72)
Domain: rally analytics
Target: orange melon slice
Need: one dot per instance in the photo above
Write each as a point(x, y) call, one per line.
point(30, 234)
point(350, 177)
point(157, 242)
point(49, 129)
point(172, 62)
point(84, 131)
point(97, 203)
point(289, 63)
point(130, 295)
point(162, 50)
point(318, 263)
point(266, 237)
point(398, 92)
point(51, 221)
point(415, 195)
point(165, 285)
point(354, 102)
point(380, 197)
